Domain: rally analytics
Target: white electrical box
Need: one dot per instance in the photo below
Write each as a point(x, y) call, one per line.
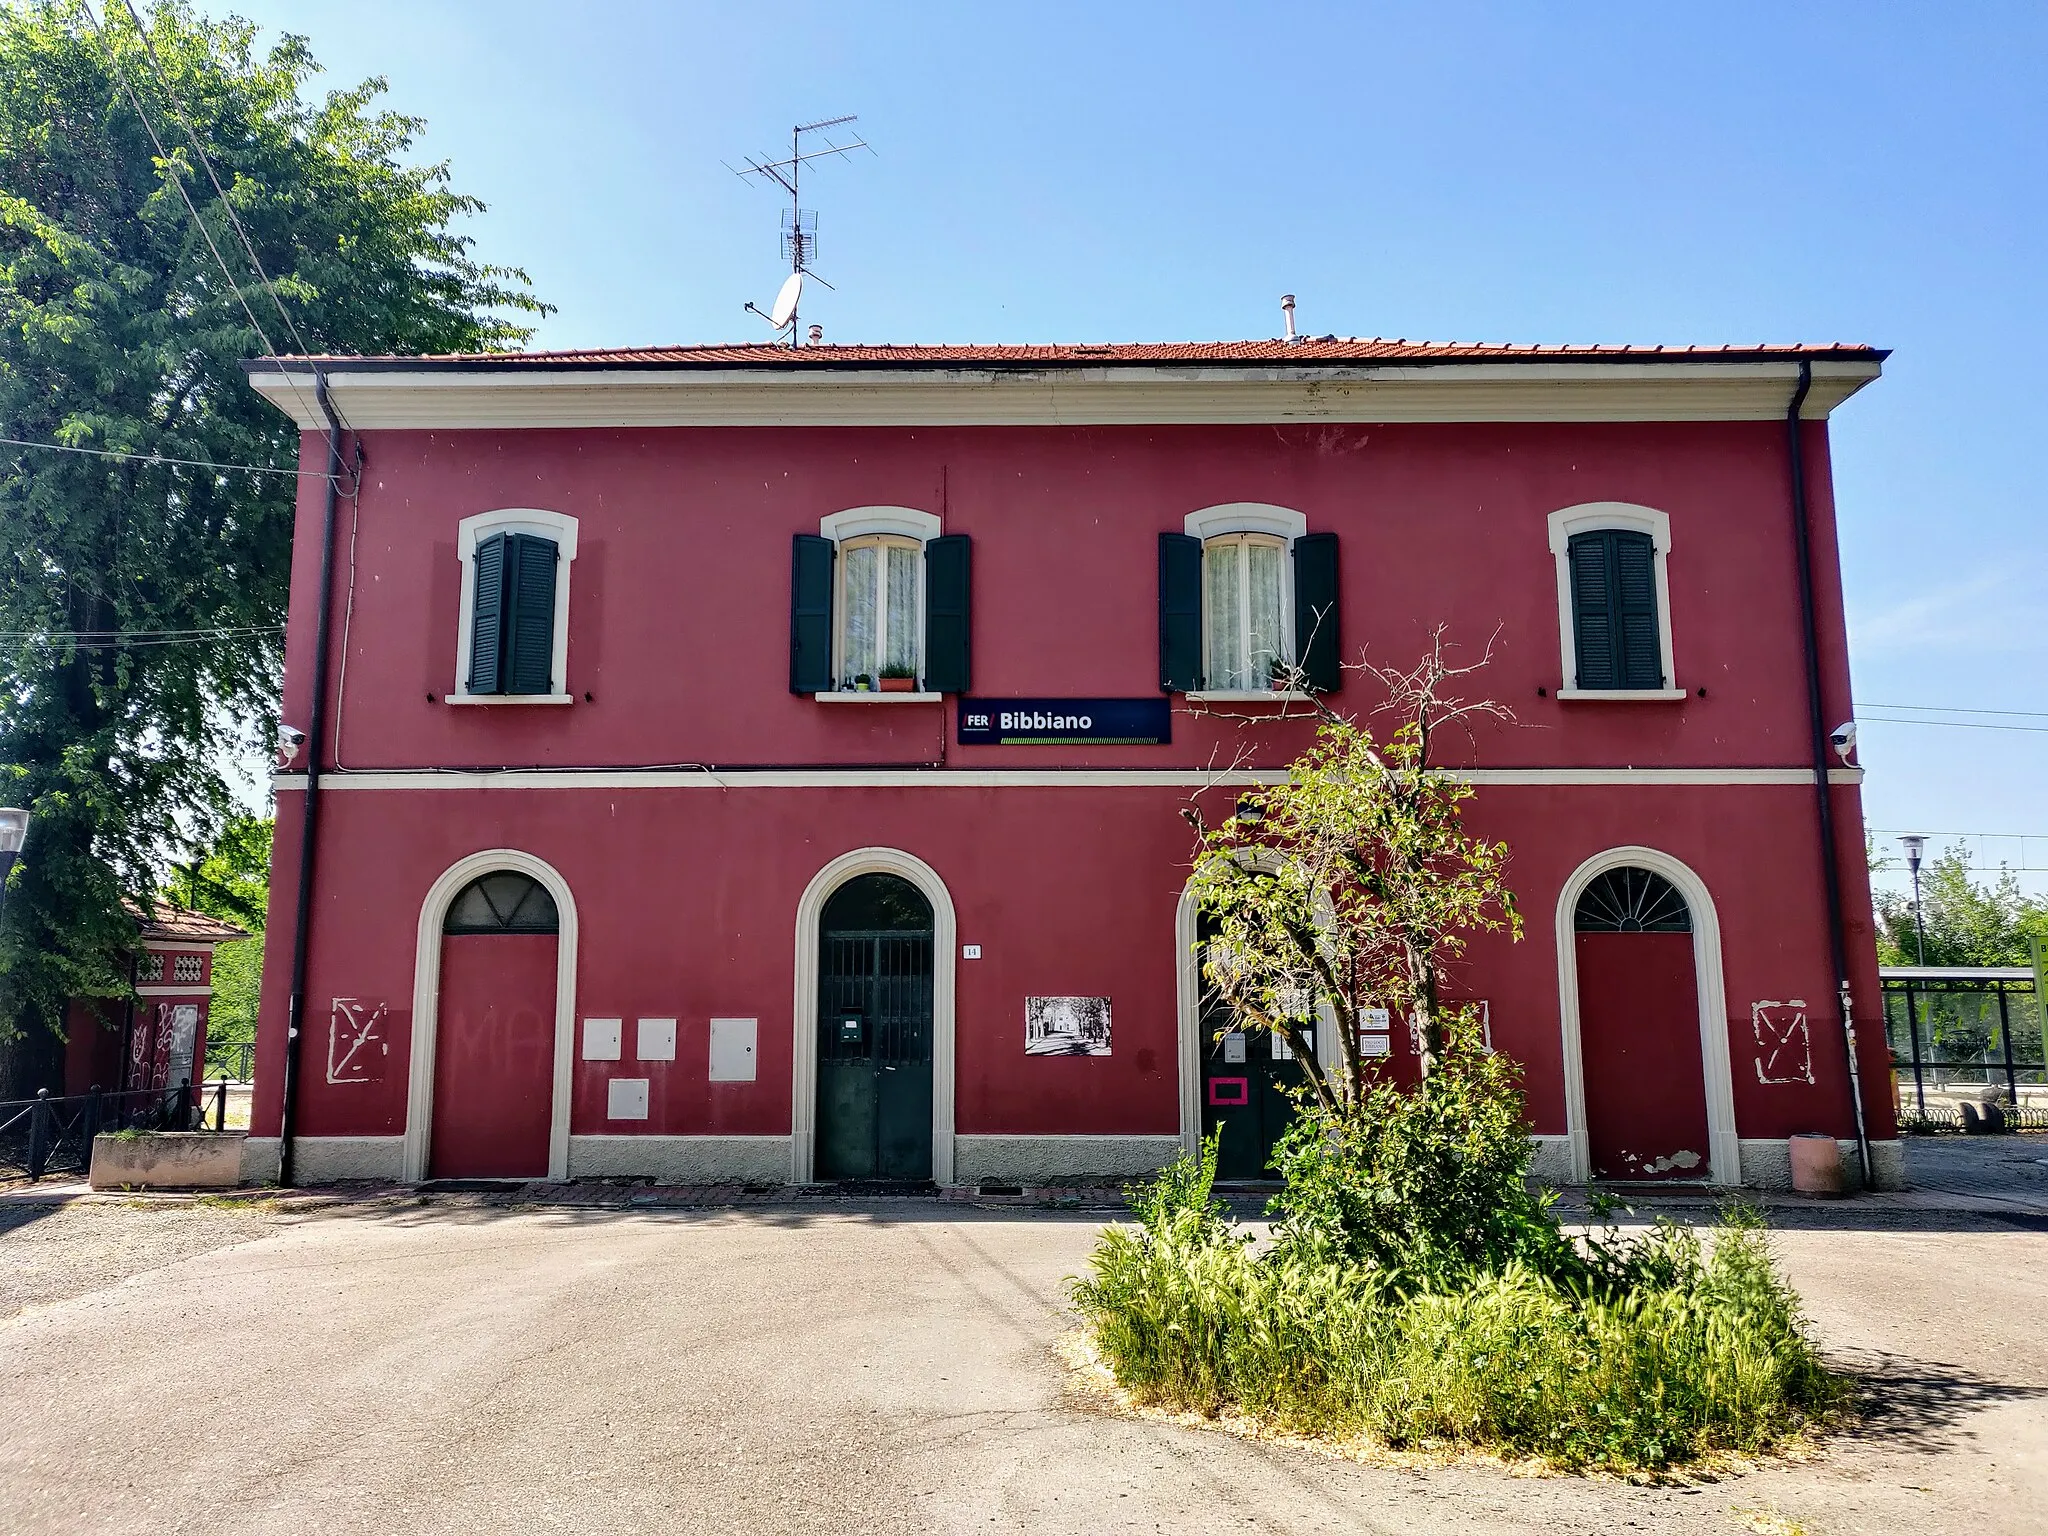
point(733, 1043)
point(603, 1039)
point(657, 1040)
point(625, 1098)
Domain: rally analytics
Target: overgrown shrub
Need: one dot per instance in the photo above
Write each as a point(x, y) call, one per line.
point(1425, 1186)
point(1418, 1291)
point(1713, 1358)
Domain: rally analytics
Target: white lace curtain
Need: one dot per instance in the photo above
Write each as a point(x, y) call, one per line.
point(1245, 604)
point(879, 604)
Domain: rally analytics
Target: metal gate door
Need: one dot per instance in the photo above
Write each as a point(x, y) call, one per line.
point(875, 1055)
point(1245, 1085)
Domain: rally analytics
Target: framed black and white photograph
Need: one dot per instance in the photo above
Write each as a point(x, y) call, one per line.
point(1066, 1026)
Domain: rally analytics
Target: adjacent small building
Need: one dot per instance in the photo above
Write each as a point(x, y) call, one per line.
point(763, 763)
point(158, 1040)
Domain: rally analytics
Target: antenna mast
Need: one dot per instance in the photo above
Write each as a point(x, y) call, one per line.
point(799, 224)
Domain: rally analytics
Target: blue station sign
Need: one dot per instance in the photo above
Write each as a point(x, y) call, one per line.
point(1055, 722)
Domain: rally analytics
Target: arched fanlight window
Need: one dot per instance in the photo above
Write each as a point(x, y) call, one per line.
point(503, 902)
point(877, 904)
point(1632, 900)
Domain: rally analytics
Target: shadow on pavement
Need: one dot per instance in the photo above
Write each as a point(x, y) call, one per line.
point(1919, 1405)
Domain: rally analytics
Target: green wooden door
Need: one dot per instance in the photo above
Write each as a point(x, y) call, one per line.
point(1244, 1093)
point(875, 1032)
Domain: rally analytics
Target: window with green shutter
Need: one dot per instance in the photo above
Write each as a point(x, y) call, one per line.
point(1615, 631)
point(880, 603)
point(512, 615)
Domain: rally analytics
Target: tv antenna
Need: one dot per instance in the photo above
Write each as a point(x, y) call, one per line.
point(799, 224)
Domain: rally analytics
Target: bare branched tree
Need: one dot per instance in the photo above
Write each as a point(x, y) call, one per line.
point(1355, 882)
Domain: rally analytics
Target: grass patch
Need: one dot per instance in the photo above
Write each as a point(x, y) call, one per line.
point(1658, 1351)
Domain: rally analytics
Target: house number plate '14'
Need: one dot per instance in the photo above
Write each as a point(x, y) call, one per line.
point(1054, 722)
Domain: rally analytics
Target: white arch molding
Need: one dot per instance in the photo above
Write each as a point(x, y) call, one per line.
point(1723, 1153)
point(1187, 973)
point(426, 1000)
point(803, 1110)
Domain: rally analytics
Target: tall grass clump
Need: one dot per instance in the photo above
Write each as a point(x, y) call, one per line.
point(1417, 1293)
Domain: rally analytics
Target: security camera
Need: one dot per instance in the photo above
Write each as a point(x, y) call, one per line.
point(1844, 738)
point(290, 737)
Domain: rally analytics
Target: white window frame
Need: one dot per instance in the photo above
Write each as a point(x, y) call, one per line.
point(1592, 517)
point(561, 528)
point(1249, 522)
point(882, 526)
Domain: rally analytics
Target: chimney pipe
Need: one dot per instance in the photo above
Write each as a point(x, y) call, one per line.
point(817, 334)
point(1287, 314)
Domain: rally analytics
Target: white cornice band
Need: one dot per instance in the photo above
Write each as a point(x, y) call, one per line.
point(515, 395)
point(1019, 778)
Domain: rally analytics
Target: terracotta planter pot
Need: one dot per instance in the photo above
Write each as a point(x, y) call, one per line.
point(1816, 1164)
point(899, 685)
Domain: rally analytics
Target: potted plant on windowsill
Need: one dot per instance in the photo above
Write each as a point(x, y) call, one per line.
point(1282, 675)
point(899, 680)
point(861, 682)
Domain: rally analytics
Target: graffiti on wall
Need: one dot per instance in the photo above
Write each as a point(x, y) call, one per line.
point(1784, 1049)
point(356, 1044)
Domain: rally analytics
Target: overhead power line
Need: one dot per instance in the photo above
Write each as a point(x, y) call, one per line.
point(1958, 725)
point(177, 181)
point(1957, 709)
point(114, 639)
point(161, 458)
point(192, 138)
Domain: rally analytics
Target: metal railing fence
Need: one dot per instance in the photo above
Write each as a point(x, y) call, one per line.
point(1960, 1034)
point(46, 1135)
point(234, 1060)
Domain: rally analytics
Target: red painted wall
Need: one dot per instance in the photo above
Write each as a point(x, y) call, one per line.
point(679, 634)
point(679, 618)
point(686, 907)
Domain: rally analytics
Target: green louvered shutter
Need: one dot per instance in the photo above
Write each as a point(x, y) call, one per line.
point(1614, 609)
point(1635, 610)
point(1317, 649)
point(1180, 613)
point(948, 626)
point(487, 616)
point(810, 614)
point(1592, 610)
point(531, 562)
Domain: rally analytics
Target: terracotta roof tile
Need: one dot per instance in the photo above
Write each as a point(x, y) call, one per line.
point(1322, 349)
point(168, 921)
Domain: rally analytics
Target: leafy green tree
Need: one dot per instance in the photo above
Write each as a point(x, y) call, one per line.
point(1967, 923)
point(141, 602)
point(232, 882)
point(1352, 885)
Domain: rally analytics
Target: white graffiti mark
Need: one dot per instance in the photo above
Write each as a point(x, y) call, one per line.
point(353, 1027)
point(1784, 1051)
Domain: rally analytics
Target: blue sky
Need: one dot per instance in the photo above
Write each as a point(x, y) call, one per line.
point(1060, 172)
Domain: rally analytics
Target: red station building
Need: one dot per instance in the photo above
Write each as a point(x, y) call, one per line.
point(750, 763)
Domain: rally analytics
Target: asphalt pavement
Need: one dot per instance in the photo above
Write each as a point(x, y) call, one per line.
point(461, 1365)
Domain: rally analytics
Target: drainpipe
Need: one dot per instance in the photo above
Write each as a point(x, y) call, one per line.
point(1831, 874)
point(309, 823)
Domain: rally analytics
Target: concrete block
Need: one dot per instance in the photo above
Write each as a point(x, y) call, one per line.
point(167, 1160)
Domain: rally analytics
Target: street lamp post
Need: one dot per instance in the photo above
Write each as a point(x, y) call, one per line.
point(1916, 845)
point(13, 832)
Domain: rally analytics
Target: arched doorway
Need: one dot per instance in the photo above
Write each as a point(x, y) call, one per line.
point(1639, 1023)
point(875, 1036)
point(495, 1031)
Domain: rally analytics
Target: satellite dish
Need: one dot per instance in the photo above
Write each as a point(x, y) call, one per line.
point(785, 301)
